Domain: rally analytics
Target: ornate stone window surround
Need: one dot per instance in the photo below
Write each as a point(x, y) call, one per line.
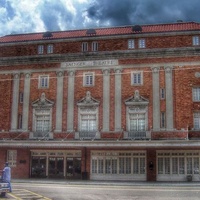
point(88, 105)
point(42, 104)
point(136, 104)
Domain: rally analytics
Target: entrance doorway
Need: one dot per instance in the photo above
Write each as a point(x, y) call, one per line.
point(38, 168)
point(56, 167)
point(73, 168)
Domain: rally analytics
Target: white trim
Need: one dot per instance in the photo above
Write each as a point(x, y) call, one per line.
point(91, 82)
point(137, 73)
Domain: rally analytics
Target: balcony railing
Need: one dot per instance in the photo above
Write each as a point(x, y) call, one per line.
point(41, 135)
point(137, 135)
point(87, 135)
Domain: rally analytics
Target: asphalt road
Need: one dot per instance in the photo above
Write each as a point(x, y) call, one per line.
point(64, 191)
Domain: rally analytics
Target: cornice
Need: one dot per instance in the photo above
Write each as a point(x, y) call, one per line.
point(96, 144)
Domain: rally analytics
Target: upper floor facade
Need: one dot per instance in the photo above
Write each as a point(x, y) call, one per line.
point(111, 83)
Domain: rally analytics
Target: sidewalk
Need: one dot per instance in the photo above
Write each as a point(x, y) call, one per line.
point(106, 183)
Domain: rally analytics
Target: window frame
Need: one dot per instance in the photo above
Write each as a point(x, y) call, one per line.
point(45, 79)
point(162, 120)
point(195, 40)
point(141, 43)
point(85, 47)
point(196, 120)
point(40, 49)
point(86, 78)
point(196, 94)
point(88, 111)
point(50, 48)
point(137, 73)
point(12, 158)
point(131, 44)
point(162, 93)
point(21, 97)
point(95, 46)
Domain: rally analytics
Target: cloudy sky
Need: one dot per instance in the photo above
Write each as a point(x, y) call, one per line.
point(25, 16)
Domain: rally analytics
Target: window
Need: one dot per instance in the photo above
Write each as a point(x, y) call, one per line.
point(178, 163)
point(88, 116)
point(12, 158)
point(196, 94)
point(137, 122)
point(162, 93)
point(42, 117)
point(162, 120)
point(131, 44)
point(50, 48)
point(40, 49)
point(42, 120)
point(20, 121)
point(119, 163)
point(84, 46)
point(88, 79)
point(21, 97)
point(195, 40)
point(88, 122)
point(43, 81)
point(141, 43)
point(197, 120)
point(136, 78)
point(94, 46)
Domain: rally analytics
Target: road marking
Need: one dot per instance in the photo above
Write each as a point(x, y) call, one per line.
point(98, 187)
point(21, 194)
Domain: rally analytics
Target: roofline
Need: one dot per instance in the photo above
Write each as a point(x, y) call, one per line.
point(99, 28)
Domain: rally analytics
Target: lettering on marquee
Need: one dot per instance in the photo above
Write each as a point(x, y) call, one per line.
point(96, 63)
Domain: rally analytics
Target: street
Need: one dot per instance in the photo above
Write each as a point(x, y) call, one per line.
point(65, 191)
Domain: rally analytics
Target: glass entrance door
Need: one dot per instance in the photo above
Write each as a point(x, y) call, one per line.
point(56, 167)
point(73, 168)
point(38, 167)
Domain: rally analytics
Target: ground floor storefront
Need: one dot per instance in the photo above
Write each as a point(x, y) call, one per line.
point(129, 161)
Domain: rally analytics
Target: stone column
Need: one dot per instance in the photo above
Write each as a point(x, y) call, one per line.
point(169, 98)
point(70, 101)
point(156, 98)
point(25, 116)
point(106, 100)
point(118, 99)
point(15, 102)
point(59, 101)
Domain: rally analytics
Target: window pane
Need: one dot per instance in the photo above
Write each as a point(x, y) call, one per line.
point(196, 165)
point(167, 166)
point(142, 165)
point(189, 165)
point(100, 166)
point(135, 165)
point(94, 166)
point(131, 44)
point(174, 165)
point(108, 166)
point(121, 166)
point(181, 166)
point(128, 165)
point(160, 165)
point(114, 166)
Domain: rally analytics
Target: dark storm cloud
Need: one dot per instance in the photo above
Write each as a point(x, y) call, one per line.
point(125, 12)
point(52, 13)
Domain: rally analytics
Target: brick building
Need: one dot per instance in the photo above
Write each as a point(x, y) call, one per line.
point(119, 103)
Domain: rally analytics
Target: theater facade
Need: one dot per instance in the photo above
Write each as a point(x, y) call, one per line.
point(116, 103)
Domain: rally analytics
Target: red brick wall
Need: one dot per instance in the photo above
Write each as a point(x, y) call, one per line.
point(109, 44)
